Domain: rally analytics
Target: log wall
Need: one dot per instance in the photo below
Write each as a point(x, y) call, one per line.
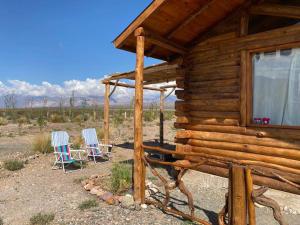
point(211, 102)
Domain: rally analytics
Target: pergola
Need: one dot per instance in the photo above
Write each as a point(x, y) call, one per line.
point(157, 74)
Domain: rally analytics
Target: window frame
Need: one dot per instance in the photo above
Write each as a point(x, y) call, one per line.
point(250, 84)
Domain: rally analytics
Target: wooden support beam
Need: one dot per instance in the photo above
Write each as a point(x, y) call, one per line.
point(133, 86)
point(169, 86)
point(161, 118)
point(238, 196)
point(139, 167)
point(106, 114)
point(278, 10)
point(250, 202)
point(243, 89)
point(161, 41)
point(244, 24)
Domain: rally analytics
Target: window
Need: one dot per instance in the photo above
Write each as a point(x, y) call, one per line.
point(276, 87)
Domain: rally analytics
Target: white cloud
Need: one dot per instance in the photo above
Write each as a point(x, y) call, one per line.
point(82, 88)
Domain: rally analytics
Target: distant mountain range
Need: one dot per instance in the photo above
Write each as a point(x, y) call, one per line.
point(41, 101)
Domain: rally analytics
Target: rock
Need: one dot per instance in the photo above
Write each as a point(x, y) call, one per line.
point(111, 201)
point(94, 177)
point(84, 182)
point(106, 196)
point(88, 187)
point(127, 201)
point(144, 206)
point(153, 190)
point(97, 191)
point(147, 194)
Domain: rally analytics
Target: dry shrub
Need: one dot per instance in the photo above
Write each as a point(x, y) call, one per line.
point(87, 204)
point(100, 133)
point(42, 143)
point(3, 121)
point(77, 142)
point(121, 177)
point(13, 165)
point(42, 219)
point(56, 118)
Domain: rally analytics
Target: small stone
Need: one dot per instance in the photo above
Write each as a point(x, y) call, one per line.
point(147, 193)
point(96, 191)
point(110, 201)
point(106, 196)
point(153, 190)
point(285, 208)
point(144, 206)
point(127, 201)
point(88, 187)
point(94, 177)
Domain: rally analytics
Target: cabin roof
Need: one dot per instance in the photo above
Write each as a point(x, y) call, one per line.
point(175, 22)
point(159, 73)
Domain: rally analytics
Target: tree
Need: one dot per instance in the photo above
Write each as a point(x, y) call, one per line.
point(10, 102)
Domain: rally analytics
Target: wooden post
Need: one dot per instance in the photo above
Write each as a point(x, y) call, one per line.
point(161, 118)
point(139, 167)
point(106, 114)
point(238, 194)
point(250, 203)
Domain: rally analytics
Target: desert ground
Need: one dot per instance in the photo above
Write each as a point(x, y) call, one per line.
point(37, 188)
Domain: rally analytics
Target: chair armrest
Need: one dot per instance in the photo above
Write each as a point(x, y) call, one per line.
point(104, 145)
point(61, 153)
point(77, 150)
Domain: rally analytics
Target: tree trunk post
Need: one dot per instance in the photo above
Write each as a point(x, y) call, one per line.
point(238, 215)
point(161, 118)
point(106, 114)
point(139, 167)
point(250, 203)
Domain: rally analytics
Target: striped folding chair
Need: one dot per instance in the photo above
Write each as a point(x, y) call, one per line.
point(93, 148)
point(62, 151)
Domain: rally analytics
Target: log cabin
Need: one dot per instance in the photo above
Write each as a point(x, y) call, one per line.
point(238, 108)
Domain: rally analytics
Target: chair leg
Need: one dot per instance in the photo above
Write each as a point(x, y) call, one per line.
point(63, 166)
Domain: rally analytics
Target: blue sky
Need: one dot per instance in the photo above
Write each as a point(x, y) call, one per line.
point(60, 40)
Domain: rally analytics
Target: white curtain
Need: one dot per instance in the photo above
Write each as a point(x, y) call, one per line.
point(277, 87)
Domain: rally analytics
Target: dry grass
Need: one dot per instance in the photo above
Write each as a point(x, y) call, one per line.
point(13, 165)
point(3, 121)
point(42, 219)
point(87, 204)
point(121, 177)
point(42, 144)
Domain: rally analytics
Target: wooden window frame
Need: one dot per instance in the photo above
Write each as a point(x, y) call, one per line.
point(248, 84)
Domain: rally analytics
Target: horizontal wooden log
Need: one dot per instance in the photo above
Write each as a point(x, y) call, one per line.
point(215, 115)
point(223, 105)
point(258, 180)
point(237, 138)
point(248, 156)
point(216, 83)
point(185, 95)
point(132, 86)
point(260, 132)
point(205, 121)
point(225, 73)
point(278, 10)
point(255, 149)
point(226, 89)
point(187, 151)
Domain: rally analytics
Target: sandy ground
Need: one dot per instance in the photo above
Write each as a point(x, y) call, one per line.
point(38, 188)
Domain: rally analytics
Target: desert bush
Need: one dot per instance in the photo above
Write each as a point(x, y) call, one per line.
point(3, 121)
point(77, 142)
point(118, 117)
point(42, 219)
point(41, 122)
point(168, 115)
point(152, 113)
point(100, 133)
point(13, 165)
point(87, 204)
point(1, 221)
point(56, 118)
point(42, 143)
point(121, 177)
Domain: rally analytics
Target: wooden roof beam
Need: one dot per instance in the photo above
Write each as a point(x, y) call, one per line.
point(161, 41)
point(119, 41)
point(276, 10)
point(131, 86)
